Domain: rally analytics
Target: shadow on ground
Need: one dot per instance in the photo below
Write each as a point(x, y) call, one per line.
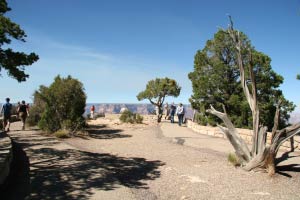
point(70, 173)
point(17, 184)
point(285, 169)
point(102, 132)
point(73, 174)
point(34, 140)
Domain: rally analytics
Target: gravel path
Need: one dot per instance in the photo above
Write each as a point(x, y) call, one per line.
point(143, 162)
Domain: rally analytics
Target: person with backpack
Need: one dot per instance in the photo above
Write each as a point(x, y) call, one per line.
point(23, 113)
point(6, 109)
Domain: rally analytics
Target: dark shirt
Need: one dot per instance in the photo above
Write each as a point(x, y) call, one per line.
point(7, 109)
point(23, 108)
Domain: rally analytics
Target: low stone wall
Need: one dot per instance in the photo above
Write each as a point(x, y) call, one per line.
point(245, 134)
point(6, 153)
point(6, 156)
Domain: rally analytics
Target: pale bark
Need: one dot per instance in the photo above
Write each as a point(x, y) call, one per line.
point(232, 134)
point(251, 97)
point(261, 155)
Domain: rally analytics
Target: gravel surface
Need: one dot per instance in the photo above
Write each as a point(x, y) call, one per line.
point(119, 161)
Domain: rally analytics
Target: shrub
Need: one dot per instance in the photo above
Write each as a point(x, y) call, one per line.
point(61, 105)
point(233, 159)
point(139, 119)
point(201, 119)
point(130, 117)
point(62, 134)
point(34, 116)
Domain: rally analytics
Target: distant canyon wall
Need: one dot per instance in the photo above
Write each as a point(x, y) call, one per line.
point(143, 109)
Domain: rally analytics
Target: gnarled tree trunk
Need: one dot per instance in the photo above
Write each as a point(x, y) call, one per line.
point(261, 155)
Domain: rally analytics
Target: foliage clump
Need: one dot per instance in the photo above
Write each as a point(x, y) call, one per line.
point(11, 61)
point(130, 117)
point(157, 90)
point(216, 81)
point(62, 134)
point(60, 106)
point(233, 159)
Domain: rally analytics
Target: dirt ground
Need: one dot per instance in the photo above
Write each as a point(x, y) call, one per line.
point(142, 161)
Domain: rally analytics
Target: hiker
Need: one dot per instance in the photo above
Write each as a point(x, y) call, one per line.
point(172, 112)
point(23, 113)
point(166, 110)
point(92, 110)
point(180, 113)
point(6, 109)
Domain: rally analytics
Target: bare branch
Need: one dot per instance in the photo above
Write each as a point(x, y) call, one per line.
point(251, 98)
point(276, 119)
point(231, 133)
point(262, 135)
point(283, 135)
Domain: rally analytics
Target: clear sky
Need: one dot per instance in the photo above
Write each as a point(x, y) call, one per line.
point(114, 47)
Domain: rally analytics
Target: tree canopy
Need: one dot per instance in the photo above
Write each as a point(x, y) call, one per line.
point(156, 91)
point(298, 76)
point(63, 105)
point(216, 81)
point(13, 62)
point(262, 154)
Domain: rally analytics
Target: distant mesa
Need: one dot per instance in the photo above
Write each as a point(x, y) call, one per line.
point(112, 108)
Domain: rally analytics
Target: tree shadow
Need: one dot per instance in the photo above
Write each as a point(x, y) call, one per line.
point(102, 132)
point(17, 184)
point(284, 157)
point(74, 174)
point(283, 169)
point(34, 140)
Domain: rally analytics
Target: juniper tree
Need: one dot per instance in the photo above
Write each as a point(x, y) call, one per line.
point(156, 91)
point(261, 154)
point(216, 81)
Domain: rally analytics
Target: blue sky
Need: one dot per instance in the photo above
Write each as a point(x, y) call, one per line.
point(115, 47)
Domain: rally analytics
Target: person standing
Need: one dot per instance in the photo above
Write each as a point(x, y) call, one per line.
point(92, 111)
point(6, 109)
point(172, 112)
point(23, 113)
point(180, 113)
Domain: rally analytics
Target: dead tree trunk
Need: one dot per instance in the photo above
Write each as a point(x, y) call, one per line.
point(261, 155)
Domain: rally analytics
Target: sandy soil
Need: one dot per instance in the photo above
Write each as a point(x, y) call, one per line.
point(141, 161)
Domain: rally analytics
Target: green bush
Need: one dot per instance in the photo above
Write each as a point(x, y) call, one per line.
point(34, 116)
point(233, 159)
point(62, 134)
point(139, 119)
point(201, 119)
point(60, 106)
point(130, 117)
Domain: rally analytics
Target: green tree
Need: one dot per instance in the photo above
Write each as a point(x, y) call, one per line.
point(261, 155)
point(13, 62)
point(156, 91)
point(298, 76)
point(64, 105)
point(216, 81)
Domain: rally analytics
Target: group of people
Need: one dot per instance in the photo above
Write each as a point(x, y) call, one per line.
point(22, 113)
point(172, 110)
